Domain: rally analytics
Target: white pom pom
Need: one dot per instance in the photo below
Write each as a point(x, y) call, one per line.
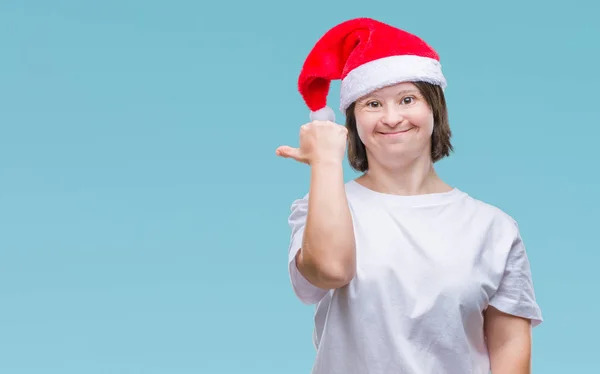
point(323, 114)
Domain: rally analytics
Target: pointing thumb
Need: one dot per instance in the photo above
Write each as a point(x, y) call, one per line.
point(288, 152)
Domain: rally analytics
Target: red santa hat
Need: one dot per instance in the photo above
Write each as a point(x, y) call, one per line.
point(366, 55)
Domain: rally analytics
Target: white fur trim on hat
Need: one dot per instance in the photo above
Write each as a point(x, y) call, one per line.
point(323, 114)
point(388, 71)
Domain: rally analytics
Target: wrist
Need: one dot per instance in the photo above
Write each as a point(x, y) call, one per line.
point(327, 162)
point(327, 170)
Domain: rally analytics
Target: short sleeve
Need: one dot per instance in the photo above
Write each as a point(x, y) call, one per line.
point(515, 294)
point(304, 290)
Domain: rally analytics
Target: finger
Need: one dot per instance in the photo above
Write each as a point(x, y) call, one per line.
point(288, 152)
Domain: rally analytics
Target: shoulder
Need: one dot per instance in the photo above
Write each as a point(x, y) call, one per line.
point(492, 210)
point(496, 218)
point(498, 233)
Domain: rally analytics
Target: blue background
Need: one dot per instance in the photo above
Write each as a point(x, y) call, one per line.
point(143, 212)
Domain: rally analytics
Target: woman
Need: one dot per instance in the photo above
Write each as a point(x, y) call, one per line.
point(409, 274)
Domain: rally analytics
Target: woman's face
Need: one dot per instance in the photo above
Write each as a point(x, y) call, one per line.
point(395, 124)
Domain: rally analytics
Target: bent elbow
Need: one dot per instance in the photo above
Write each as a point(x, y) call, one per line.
point(329, 272)
point(336, 275)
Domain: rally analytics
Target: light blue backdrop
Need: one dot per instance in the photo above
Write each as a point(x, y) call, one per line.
point(143, 211)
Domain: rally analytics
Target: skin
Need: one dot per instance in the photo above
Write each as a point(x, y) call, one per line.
point(326, 260)
point(395, 124)
point(509, 342)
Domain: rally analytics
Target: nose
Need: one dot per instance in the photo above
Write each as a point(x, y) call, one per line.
point(392, 116)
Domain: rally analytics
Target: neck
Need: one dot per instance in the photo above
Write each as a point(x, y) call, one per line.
point(415, 178)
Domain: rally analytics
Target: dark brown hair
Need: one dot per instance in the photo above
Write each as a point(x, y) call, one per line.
point(440, 139)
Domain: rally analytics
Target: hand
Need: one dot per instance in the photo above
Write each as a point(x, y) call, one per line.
point(320, 141)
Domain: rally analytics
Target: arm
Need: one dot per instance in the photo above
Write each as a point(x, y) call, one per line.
point(509, 342)
point(512, 312)
point(327, 258)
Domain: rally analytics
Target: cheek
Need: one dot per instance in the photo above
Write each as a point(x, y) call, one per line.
point(425, 123)
point(363, 129)
point(430, 127)
point(361, 132)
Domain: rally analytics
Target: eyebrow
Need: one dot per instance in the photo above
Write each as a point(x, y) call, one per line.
point(407, 91)
point(399, 93)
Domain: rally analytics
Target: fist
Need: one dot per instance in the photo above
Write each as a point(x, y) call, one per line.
point(320, 141)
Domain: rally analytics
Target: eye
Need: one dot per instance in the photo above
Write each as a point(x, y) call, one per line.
point(408, 100)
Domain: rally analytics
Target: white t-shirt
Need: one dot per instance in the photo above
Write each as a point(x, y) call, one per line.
point(427, 268)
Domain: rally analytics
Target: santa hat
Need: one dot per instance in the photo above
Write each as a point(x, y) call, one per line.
point(366, 55)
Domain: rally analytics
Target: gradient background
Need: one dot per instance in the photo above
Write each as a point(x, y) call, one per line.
point(143, 212)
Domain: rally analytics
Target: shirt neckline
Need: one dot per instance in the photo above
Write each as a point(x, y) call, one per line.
point(439, 198)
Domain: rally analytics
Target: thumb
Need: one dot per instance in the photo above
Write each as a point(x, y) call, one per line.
point(288, 152)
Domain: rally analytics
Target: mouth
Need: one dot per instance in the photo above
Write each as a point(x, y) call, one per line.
point(396, 133)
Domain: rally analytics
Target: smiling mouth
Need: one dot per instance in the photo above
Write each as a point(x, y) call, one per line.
point(396, 132)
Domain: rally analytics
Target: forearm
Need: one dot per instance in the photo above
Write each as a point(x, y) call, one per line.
point(511, 357)
point(328, 250)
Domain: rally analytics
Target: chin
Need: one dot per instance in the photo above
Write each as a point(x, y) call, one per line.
point(398, 155)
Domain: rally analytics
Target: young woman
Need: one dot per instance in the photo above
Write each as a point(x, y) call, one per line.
point(408, 274)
